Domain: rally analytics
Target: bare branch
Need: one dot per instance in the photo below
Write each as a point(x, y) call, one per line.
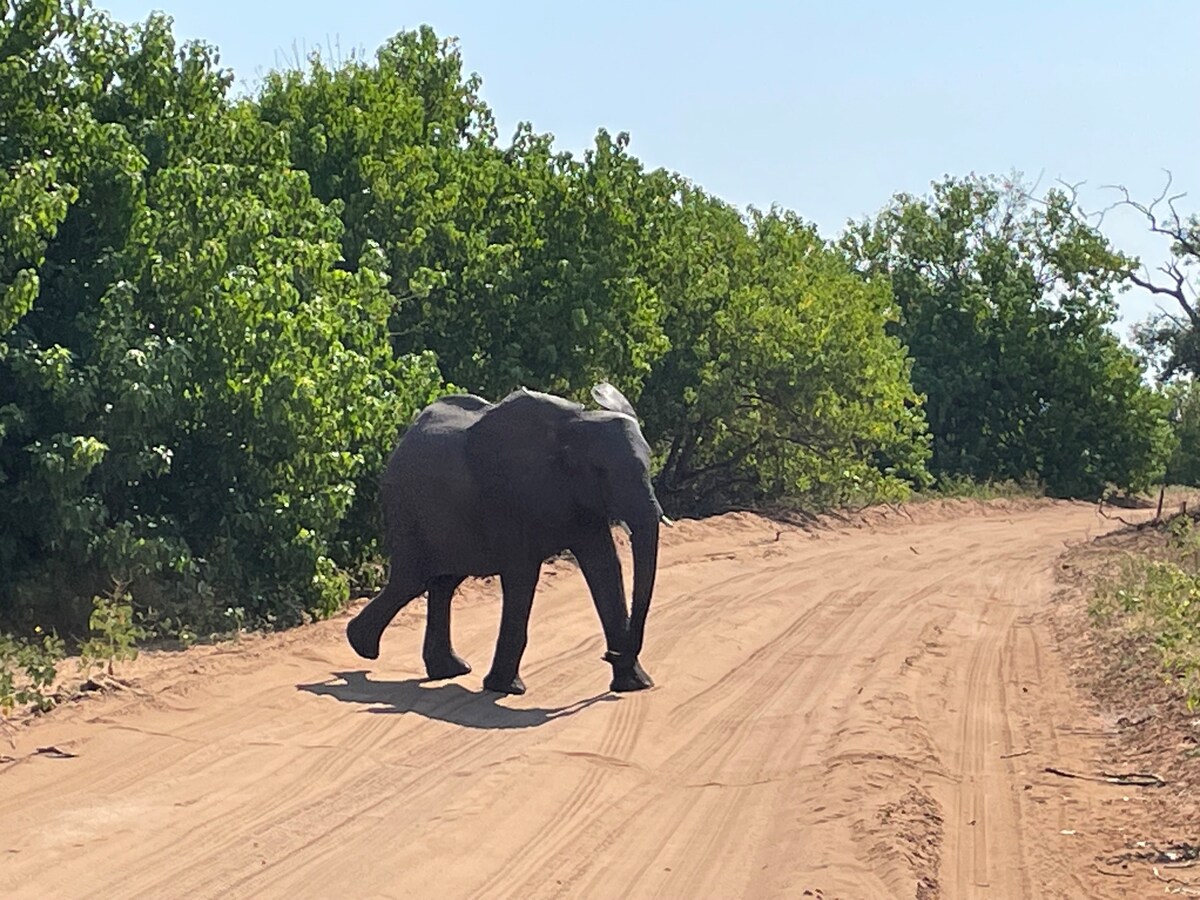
point(1037, 183)
point(1177, 291)
point(1185, 239)
point(1169, 316)
point(731, 460)
point(1072, 190)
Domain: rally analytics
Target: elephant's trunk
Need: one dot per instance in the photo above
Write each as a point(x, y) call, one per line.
point(644, 543)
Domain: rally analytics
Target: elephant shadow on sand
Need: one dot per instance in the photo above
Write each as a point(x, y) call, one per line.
point(448, 702)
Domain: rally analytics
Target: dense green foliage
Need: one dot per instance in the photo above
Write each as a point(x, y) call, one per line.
point(216, 315)
point(193, 393)
point(514, 265)
point(780, 380)
point(758, 359)
point(1183, 467)
point(1005, 307)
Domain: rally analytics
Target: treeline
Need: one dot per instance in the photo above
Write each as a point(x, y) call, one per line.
point(217, 314)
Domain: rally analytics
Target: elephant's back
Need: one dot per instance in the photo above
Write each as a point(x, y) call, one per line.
point(464, 402)
point(433, 447)
point(439, 426)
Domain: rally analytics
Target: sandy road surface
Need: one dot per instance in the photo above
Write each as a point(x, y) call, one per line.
point(846, 714)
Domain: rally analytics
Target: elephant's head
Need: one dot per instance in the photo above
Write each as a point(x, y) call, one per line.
point(615, 459)
point(559, 463)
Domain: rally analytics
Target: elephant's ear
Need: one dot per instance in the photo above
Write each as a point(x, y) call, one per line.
point(612, 399)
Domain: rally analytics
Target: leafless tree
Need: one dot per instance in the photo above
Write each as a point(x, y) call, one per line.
point(1175, 331)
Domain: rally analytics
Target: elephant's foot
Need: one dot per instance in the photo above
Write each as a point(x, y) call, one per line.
point(365, 643)
point(502, 685)
point(627, 678)
point(450, 665)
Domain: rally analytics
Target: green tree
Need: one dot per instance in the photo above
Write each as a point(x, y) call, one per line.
point(780, 383)
point(196, 395)
point(1184, 465)
point(515, 265)
point(1005, 305)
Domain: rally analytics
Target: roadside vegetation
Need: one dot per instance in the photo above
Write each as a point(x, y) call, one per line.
point(966, 488)
point(1151, 594)
point(217, 313)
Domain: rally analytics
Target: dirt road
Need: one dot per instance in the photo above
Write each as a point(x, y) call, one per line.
point(858, 712)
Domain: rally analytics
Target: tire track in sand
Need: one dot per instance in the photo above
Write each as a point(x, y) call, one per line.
point(803, 686)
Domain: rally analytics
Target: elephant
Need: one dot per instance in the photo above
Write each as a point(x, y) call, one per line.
point(476, 488)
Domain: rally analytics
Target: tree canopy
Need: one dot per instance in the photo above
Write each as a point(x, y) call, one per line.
point(218, 314)
point(1006, 303)
point(194, 394)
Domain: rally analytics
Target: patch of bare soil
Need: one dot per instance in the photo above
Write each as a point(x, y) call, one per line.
point(864, 706)
point(1146, 729)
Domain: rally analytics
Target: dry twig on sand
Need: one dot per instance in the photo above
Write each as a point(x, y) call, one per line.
point(1138, 779)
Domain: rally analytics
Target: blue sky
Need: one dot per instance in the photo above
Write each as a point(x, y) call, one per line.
point(827, 109)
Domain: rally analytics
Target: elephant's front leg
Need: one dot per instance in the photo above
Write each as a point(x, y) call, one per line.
point(518, 586)
point(440, 659)
point(597, 558)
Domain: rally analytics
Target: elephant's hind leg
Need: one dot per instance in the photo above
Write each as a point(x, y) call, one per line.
point(365, 630)
point(440, 659)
